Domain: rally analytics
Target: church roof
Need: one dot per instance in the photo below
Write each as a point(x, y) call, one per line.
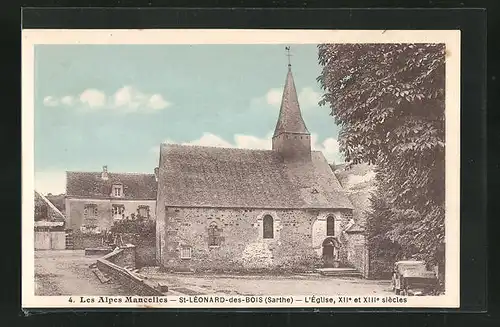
point(92, 185)
point(290, 118)
point(196, 176)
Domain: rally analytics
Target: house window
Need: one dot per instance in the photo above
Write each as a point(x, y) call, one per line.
point(268, 226)
point(330, 226)
point(90, 210)
point(214, 235)
point(89, 216)
point(117, 190)
point(186, 252)
point(118, 210)
point(143, 211)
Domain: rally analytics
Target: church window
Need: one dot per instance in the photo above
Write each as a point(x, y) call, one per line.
point(330, 226)
point(214, 235)
point(186, 252)
point(268, 227)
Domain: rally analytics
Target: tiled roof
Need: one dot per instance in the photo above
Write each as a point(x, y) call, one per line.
point(91, 185)
point(290, 119)
point(196, 176)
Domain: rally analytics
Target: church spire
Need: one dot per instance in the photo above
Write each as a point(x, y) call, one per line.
point(291, 134)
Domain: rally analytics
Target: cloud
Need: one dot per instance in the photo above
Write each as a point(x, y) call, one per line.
point(157, 102)
point(50, 101)
point(329, 146)
point(68, 100)
point(125, 99)
point(209, 139)
point(273, 97)
point(93, 98)
point(50, 182)
point(308, 98)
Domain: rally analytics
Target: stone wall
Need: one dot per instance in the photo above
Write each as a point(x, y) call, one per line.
point(293, 146)
point(242, 244)
point(125, 257)
point(104, 218)
point(83, 241)
point(112, 264)
point(357, 252)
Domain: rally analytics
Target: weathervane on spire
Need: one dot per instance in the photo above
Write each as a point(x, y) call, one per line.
point(288, 55)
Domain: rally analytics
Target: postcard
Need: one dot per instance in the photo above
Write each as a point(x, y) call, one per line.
point(241, 168)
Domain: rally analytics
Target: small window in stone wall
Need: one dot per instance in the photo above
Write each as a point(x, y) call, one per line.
point(268, 227)
point(186, 252)
point(214, 235)
point(330, 226)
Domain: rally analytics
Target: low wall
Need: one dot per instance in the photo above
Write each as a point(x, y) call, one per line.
point(113, 264)
point(145, 255)
point(357, 253)
point(83, 241)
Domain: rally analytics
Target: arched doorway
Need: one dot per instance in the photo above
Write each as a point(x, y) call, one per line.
point(330, 252)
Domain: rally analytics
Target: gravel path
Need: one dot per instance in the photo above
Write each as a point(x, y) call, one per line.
point(67, 272)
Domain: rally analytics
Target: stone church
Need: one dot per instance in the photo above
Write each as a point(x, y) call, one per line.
point(226, 209)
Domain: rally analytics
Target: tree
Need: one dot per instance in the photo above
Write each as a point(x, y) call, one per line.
point(388, 100)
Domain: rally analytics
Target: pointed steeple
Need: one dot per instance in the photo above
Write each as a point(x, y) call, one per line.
point(291, 137)
point(290, 118)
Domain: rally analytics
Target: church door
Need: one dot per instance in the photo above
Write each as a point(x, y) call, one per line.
point(330, 252)
point(328, 258)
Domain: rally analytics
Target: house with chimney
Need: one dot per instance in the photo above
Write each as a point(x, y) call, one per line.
point(232, 209)
point(94, 200)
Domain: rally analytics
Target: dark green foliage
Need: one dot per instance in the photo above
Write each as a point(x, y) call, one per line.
point(41, 209)
point(58, 201)
point(388, 100)
point(142, 227)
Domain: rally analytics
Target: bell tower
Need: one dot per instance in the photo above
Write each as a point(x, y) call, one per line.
point(291, 137)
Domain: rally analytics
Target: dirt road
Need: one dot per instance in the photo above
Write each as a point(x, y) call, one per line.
point(67, 272)
point(270, 285)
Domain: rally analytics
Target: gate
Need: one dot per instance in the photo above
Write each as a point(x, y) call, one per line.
point(45, 240)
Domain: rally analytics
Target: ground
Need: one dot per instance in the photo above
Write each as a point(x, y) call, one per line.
point(67, 272)
point(269, 285)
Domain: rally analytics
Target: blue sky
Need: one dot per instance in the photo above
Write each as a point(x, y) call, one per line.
point(113, 105)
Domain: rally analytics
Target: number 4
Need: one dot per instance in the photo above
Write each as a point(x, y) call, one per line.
point(70, 300)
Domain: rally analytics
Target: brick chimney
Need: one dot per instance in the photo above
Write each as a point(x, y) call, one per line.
point(157, 170)
point(104, 174)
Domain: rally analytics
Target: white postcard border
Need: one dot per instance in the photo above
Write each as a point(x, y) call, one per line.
point(451, 38)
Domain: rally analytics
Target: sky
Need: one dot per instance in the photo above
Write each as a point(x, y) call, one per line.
point(114, 105)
